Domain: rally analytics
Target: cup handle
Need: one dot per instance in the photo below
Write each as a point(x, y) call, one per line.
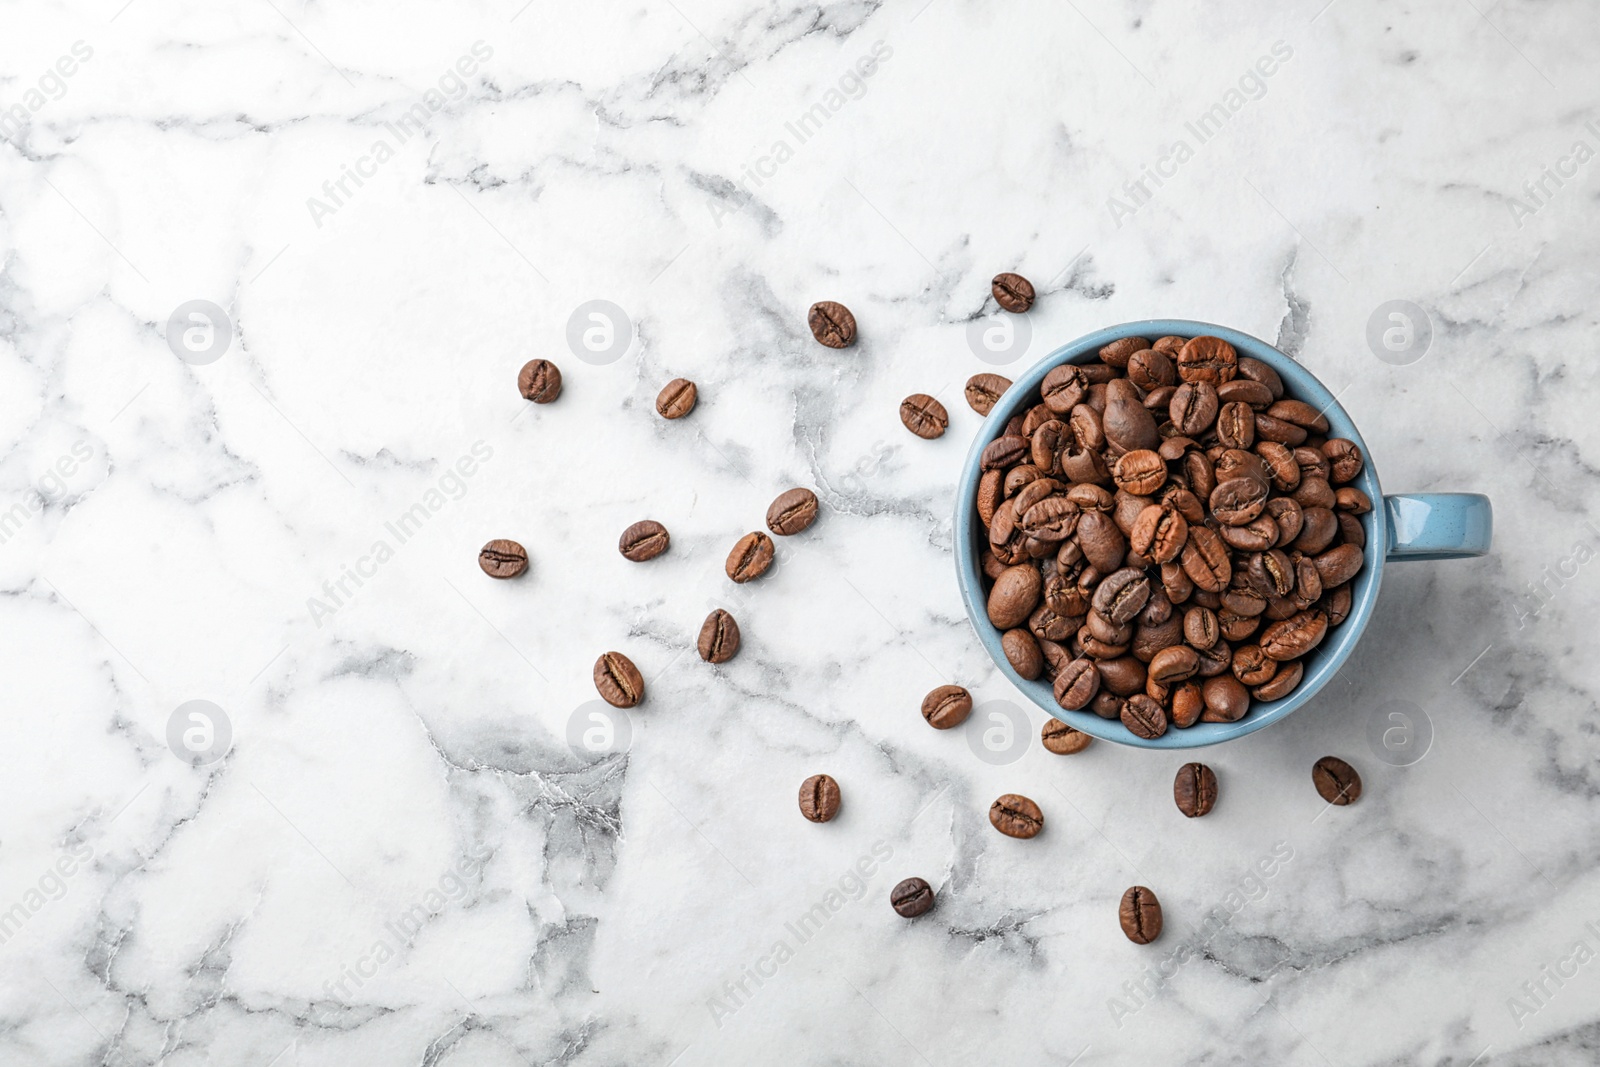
point(1438, 525)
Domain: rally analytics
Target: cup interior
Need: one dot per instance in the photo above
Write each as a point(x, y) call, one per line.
point(1320, 665)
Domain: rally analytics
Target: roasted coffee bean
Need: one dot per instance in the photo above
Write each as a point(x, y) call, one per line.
point(1194, 790)
point(1271, 429)
point(1004, 452)
point(750, 558)
point(924, 416)
point(1046, 442)
point(1140, 472)
point(1337, 603)
point(1036, 417)
point(911, 898)
point(503, 559)
point(1144, 717)
point(1035, 491)
point(1344, 459)
point(1022, 652)
point(1236, 627)
point(1300, 414)
point(1338, 565)
point(1107, 705)
point(1062, 739)
point(1012, 292)
point(1314, 492)
point(1257, 535)
point(618, 680)
point(1245, 391)
point(984, 391)
point(677, 398)
point(819, 798)
point(946, 707)
point(1188, 704)
point(1127, 422)
point(1118, 352)
point(1283, 682)
point(1046, 624)
point(539, 381)
point(1077, 684)
point(1205, 560)
point(1016, 816)
point(1159, 533)
point(1122, 594)
point(832, 324)
point(1236, 425)
point(1336, 781)
point(1175, 663)
point(719, 637)
point(1207, 359)
point(1226, 700)
point(1350, 500)
point(1317, 531)
point(1194, 408)
point(1257, 371)
point(1294, 637)
point(1015, 595)
point(991, 491)
point(1103, 544)
point(792, 512)
point(1200, 628)
point(645, 539)
point(1238, 500)
point(1252, 667)
point(1271, 573)
point(1140, 915)
point(1063, 389)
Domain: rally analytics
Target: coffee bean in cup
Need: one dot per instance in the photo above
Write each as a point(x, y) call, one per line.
point(501, 558)
point(911, 897)
point(819, 798)
point(832, 324)
point(1162, 522)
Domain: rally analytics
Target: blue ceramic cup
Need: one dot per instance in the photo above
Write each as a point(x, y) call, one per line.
point(1400, 527)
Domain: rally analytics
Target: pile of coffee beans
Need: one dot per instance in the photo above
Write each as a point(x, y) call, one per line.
point(1169, 534)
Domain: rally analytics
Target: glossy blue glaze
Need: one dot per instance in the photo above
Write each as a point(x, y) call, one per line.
point(1424, 526)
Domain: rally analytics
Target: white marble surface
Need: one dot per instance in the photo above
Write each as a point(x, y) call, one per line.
point(407, 754)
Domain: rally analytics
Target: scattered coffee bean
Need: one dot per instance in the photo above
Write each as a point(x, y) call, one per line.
point(719, 637)
point(1165, 519)
point(618, 680)
point(1194, 789)
point(1140, 915)
point(750, 558)
point(539, 381)
point(503, 559)
point(911, 898)
point(924, 416)
point(984, 391)
point(792, 512)
point(1012, 292)
point(832, 324)
point(1016, 816)
point(645, 539)
point(1062, 739)
point(1336, 780)
point(819, 798)
point(677, 398)
point(946, 707)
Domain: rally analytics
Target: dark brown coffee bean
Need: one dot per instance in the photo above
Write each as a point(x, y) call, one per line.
point(719, 637)
point(1194, 789)
point(1282, 683)
point(832, 324)
point(924, 416)
point(1352, 501)
point(1140, 472)
point(1252, 667)
point(539, 381)
point(1338, 565)
point(819, 798)
point(1317, 531)
point(1245, 391)
point(984, 391)
point(1194, 408)
point(946, 707)
point(1200, 628)
point(1271, 429)
point(1159, 533)
point(1140, 915)
point(911, 898)
point(1151, 370)
point(1226, 700)
point(1022, 652)
point(1046, 443)
point(1207, 359)
point(1004, 452)
point(1122, 675)
point(1344, 459)
point(1236, 425)
point(645, 539)
point(1205, 560)
point(618, 680)
point(1118, 352)
point(1144, 717)
point(1077, 684)
point(1063, 389)
point(1336, 781)
point(1257, 371)
point(1062, 739)
point(751, 557)
point(503, 559)
point(677, 398)
point(1122, 594)
point(1188, 704)
point(1293, 637)
point(1300, 414)
point(1016, 816)
point(1012, 292)
point(792, 512)
point(1014, 596)
point(1238, 500)
point(1127, 422)
point(1103, 544)
point(1175, 663)
point(1315, 492)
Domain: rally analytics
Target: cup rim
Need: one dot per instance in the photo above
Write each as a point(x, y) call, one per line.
point(1320, 666)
